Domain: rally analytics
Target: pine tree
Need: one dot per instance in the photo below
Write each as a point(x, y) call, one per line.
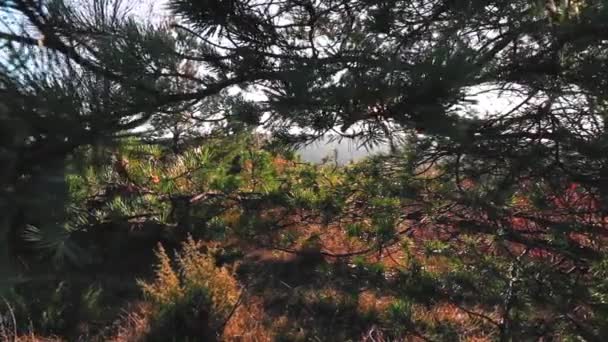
point(529, 181)
point(80, 75)
point(374, 70)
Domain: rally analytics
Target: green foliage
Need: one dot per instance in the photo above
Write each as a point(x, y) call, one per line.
point(56, 242)
point(355, 229)
point(436, 247)
point(400, 312)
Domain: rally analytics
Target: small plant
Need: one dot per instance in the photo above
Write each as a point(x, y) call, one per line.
point(166, 288)
point(354, 229)
point(436, 247)
point(400, 315)
point(400, 310)
point(91, 300)
point(57, 309)
point(193, 298)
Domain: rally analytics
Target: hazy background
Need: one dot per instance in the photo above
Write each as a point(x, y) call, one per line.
point(348, 150)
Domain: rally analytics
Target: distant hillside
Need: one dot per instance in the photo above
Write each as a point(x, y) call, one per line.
point(348, 150)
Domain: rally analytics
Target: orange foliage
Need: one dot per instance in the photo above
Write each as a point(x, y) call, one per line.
point(281, 164)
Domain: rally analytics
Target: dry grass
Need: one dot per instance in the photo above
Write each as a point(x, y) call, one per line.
point(9, 333)
point(248, 324)
point(194, 268)
point(134, 325)
point(195, 272)
point(33, 338)
point(166, 288)
point(473, 327)
point(370, 301)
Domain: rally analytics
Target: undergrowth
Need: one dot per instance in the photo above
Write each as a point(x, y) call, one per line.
point(192, 298)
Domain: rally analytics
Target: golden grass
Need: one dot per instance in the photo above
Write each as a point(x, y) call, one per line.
point(195, 271)
point(369, 301)
point(248, 324)
point(134, 325)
